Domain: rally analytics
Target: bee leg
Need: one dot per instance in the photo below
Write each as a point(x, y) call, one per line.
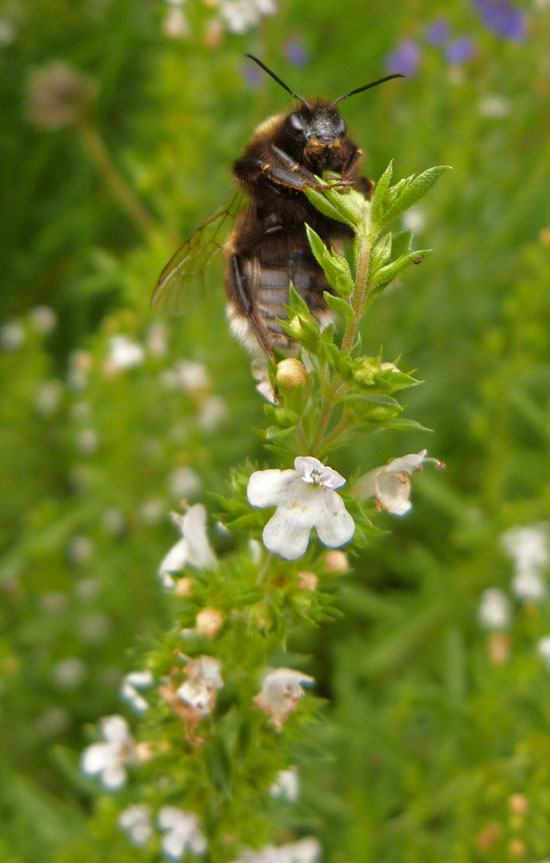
point(249, 169)
point(246, 307)
point(352, 160)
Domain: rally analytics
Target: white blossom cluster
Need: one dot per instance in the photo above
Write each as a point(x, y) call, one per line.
point(529, 549)
point(306, 850)
point(180, 828)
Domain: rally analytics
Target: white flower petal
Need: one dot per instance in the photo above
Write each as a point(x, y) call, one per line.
point(334, 524)
point(286, 536)
point(175, 560)
point(115, 729)
point(95, 758)
point(311, 470)
point(406, 463)
point(113, 776)
point(193, 526)
point(268, 487)
point(392, 493)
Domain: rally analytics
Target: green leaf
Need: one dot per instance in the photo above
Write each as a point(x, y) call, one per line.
point(296, 304)
point(401, 243)
point(378, 203)
point(406, 424)
point(335, 267)
point(387, 274)
point(338, 305)
point(320, 203)
point(408, 192)
point(380, 253)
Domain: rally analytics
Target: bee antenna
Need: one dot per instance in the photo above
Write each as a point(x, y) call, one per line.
point(278, 80)
point(366, 87)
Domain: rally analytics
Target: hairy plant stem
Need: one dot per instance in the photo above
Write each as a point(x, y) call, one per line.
point(99, 155)
point(364, 242)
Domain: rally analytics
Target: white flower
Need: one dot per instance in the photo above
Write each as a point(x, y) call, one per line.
point(48, 397)
point(12, 336)
point(280, 693)
point(156, 338)
point(94, 627)
point(306, 850)
point(543, 650)
point(494, 609)
point(130, 685)
point(286, 785)
point(204, 678)
point(528, 586)
point(80, 549)
point(136, 822)
point(190, 376)
point(492, 105)
point(109, 759)
point(305, 499)
point(43, 318)
point(213, 411)
point(260, 372)
point(184, 482)
point(527, 547)
point(390, 484)
point(87, 441)
point(69, 673)
point(123, 353)
point(414, 220)
point(193, 548)
point(182, 832)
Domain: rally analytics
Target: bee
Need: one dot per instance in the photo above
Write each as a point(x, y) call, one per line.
point(267, 247)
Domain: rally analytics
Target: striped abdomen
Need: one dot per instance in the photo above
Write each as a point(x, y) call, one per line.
point(267, 284)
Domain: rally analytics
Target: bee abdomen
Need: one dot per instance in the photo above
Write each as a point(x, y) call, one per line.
point(270, 285)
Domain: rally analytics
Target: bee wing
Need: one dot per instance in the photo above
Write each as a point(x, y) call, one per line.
point(186, 266)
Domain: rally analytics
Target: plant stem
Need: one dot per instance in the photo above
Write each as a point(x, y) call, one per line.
point(96, 149)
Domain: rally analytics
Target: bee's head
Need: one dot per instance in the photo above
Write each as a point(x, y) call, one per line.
point(313, 129)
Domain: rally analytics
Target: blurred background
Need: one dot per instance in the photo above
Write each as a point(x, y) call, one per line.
point(121, 119)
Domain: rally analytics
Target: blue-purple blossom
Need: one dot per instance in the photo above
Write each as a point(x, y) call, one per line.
point(460, 49)
point(502, 18)
point(405, 59)
point(438, 32)
point(253, 75)
point(295, 51)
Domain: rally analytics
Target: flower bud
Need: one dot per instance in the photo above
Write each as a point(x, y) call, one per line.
point(291, 373)
point(208, 622)
point(499, 648)
point(517, 847)
point(308, 580)
point(518, 804)
point(365, 370)
point(59, 96)
point(336, 561)
point(184, 587)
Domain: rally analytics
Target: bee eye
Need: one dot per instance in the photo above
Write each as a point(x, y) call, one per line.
point(341, 126)
point(296, 123)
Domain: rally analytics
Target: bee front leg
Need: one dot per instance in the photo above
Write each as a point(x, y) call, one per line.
point(251, 168)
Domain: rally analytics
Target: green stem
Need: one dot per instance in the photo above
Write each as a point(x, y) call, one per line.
point(342, 426)
point(362, 287)
point(98, 153)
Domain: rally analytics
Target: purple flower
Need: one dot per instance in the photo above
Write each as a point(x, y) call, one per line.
point(252, 75)
point(502, 19)
point(438, 32)
point(405, 58)
point(460, 49)
point(296, 52)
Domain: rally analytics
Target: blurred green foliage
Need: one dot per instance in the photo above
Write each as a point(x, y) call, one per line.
point(427, 736)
